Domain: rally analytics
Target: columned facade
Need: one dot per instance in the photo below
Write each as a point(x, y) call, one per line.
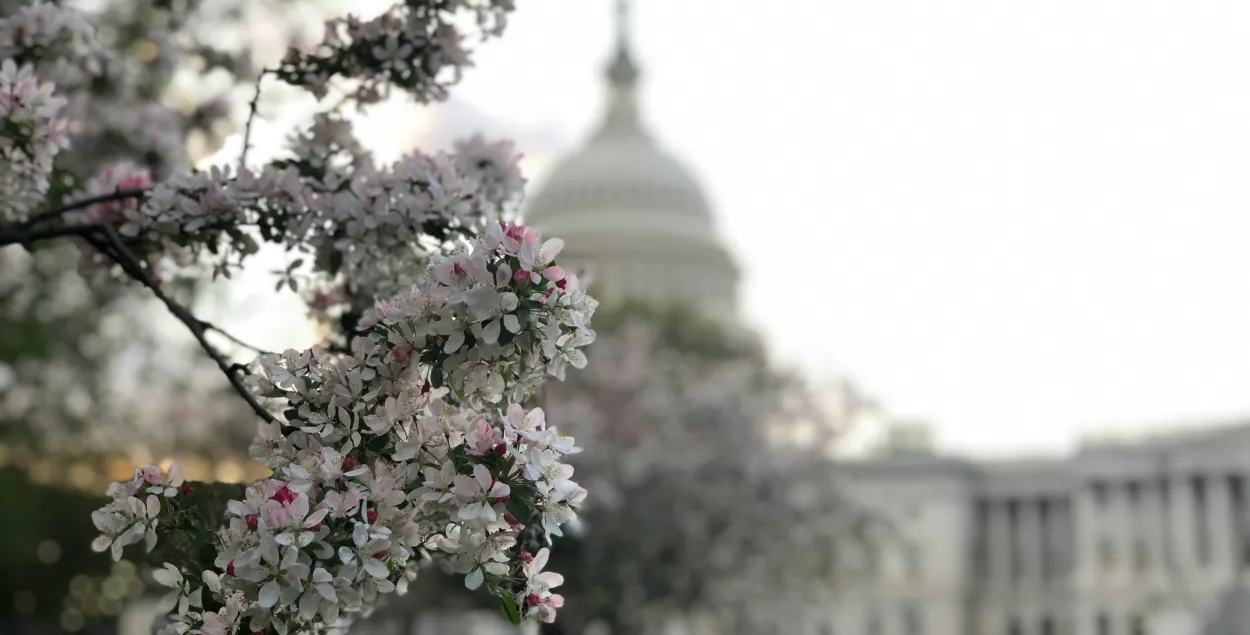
point(1148, 538)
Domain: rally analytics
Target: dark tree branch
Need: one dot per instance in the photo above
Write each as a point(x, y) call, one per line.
point(116, 195)
point(251, 117)
point(216, 329)
point(112, 246)
point(106, 239)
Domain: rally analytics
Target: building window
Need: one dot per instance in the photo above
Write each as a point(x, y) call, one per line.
point(1142, 552)
point(1048, 626)
point(1100, 494)
point(913, 624)
point(1106, 553)
point(1103, 624)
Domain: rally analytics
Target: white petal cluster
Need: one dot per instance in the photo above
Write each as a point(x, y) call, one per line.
point(406, 442)
point(134, 513)
point(365, 229)
point(494, 164)
point(412, 445)
point(418, 49)
point(31, 134)
point(44, 31)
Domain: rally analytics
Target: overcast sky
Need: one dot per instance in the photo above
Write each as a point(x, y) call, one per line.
point(1024, 222)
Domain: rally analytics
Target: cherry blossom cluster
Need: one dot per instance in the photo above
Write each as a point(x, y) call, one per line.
point(414, 46)
point(45, 32)
point(134, 513)
point(494, 164)
point(405, 439)
point(412, 445)
point(32, 132)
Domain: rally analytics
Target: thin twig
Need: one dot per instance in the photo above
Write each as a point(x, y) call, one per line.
point(113, 246)
point(251, 117)
point(209, 326)
point(76, 205)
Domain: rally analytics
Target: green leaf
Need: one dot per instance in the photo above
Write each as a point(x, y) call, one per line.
point(379, 443)
point(521, 509)
point(510, 610)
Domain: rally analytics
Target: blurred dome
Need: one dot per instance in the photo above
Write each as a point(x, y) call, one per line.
point(632, 216)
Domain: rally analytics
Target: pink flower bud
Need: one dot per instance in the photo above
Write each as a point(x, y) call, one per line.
point(554, 273)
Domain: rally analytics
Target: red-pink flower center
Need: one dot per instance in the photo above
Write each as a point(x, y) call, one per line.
point(400, 353)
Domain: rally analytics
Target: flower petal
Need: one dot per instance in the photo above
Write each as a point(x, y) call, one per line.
point(269, 594)
point(474, 579)
point(376, 568)
point(101, 544)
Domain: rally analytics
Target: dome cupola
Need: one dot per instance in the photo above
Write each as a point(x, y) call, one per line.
point(630, 215)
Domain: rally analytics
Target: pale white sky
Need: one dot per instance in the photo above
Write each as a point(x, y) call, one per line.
point(1025, 222)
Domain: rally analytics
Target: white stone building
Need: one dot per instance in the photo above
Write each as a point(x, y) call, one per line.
point(1119, 539)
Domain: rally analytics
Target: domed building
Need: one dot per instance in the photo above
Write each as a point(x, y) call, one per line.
point(631, 216)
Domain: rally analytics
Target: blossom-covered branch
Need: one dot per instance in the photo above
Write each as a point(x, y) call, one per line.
point(407, 438)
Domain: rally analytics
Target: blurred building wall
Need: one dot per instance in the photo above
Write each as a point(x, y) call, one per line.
point(1118, 539)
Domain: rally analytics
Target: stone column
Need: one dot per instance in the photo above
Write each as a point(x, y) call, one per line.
point(1060, 540)
point(1085, 530)
point(1220, 524)
point(1150, 522)
point(1184, 546)
point(1031, 539)
point(1120, 530)
point(1000, 557)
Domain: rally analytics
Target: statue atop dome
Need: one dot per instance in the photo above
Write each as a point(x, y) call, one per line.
point(622, 72)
